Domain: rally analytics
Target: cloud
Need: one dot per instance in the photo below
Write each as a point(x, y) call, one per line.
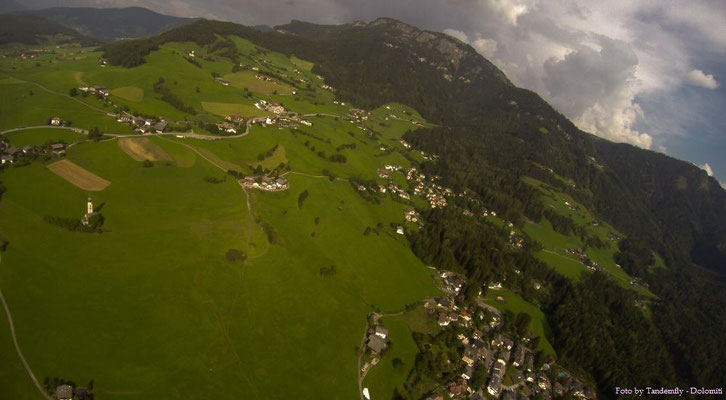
point(597, 88)
point(485, 46)
point(696, 77)
point(457, 34)
point(706, 168)
point(509, 10)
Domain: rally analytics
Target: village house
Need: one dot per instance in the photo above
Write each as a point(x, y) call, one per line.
point(221, 81)
point(376, 343)
point(58, 148)
point(227, 127)
point(64, 392)
point(160, 126)
point(444, 319)
point(399, 230)
point(458, 388)
point(190, 53)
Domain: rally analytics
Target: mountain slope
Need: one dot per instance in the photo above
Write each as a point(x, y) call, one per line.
point(109, 24)
point(30, 29)
point(491, 135)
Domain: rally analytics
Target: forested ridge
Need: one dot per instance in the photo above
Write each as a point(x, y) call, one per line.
point(490, 134)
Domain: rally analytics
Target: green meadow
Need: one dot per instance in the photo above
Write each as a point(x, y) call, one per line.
point(514, 303)
point(41, 136)
point(555, 244)
point(152, 307)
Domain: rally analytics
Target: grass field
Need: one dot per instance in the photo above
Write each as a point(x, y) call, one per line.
point(247, 79)
point(224, 109)
point(141, 149)
point(538, 324)
point(130, 93)
point(78, 176)
point(278, 156)
point(151, 308)
point(42, 136)
point(385, 377)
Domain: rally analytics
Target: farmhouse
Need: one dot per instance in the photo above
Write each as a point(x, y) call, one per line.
point(226, 127)
point(58, 148)
point(64, 392)
point(57, 121)
point(376, 343)
point(160, 126)
point(221, 81)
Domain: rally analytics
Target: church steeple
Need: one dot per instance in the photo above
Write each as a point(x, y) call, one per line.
point(89, 208)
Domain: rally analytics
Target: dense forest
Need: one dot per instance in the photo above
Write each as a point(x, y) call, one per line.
point(489, 135)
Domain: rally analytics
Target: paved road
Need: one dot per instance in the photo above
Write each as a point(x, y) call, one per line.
point(17, 349)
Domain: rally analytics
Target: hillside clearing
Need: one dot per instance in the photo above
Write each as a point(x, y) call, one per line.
point(78, 176)
point(130, 93)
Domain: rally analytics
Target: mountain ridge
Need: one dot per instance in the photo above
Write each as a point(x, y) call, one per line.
point(109, 24)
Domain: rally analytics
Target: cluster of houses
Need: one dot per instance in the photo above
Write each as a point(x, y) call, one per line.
point(10, 154)
point(143, 125)
point(411, 215)
point(511, 370)
point(95, 89)
point(266, 183)
point(357, 116)
point(29, 54)
point(434, 193)
point(584, 258)
point(271, 106)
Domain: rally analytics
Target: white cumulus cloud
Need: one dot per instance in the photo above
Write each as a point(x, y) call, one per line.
point(696, 77)
point(706, 168)
point(485, 46)
point(457, 34)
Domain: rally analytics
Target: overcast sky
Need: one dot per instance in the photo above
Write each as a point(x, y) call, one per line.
point(646, 72)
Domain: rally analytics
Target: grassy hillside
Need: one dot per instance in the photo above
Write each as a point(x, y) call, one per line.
point(153, 307)
point(157, 309)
